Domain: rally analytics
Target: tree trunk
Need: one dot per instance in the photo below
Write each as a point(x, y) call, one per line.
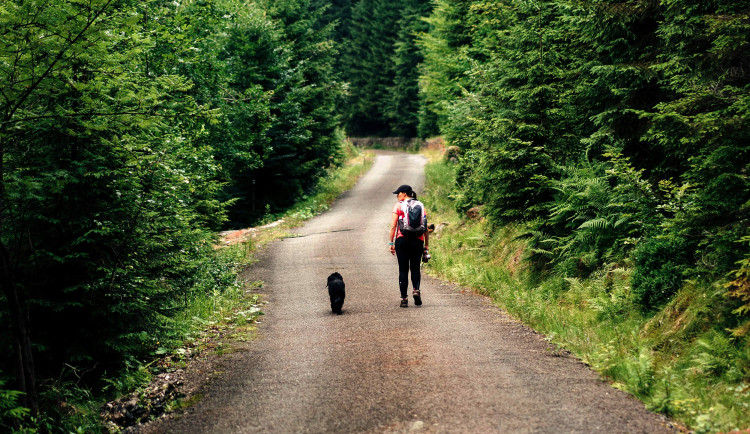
point(19, 313)
point(25, 376)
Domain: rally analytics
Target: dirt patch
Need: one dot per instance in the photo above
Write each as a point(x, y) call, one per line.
point(152, 402)
point(238, 236)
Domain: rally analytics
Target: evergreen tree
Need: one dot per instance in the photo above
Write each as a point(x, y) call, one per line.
point(379, 59)
point(443, 73)
point(102, 196)
point(122, 141)
point(229, 50)
point(369, 67)
point(701, 129)
point(402, 109)
point(609, 125)
point(305, 103)
point(507, 119)
point(338, 13)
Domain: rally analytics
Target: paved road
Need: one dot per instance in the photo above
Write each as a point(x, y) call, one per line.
point(455, 364)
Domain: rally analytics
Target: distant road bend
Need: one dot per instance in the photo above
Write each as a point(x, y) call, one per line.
point(457, 364)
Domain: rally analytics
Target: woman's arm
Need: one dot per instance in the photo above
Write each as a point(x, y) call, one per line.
point(394, 224)
point(427, 232)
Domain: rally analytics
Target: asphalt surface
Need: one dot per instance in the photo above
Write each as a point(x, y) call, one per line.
point(454, 364)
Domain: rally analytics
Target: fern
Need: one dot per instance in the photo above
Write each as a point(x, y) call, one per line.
point(596, 223)
point(597, 215)
point(717, 355)
point(11, 412)
point(739, 288)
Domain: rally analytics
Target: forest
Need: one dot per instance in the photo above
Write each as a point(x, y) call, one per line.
point(619, 130)
point(616, 132)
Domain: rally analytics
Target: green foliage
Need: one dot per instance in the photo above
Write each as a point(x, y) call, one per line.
point(739, 289)
point(504, 110)
point(402, 107)
point(11, 413)
point(441, 72)
point(660, 270)
point(439, 194)
point(369, 67)
point(609, 136)
point(600, 211)
point(306, 93)
point(104, 198)
point(716, 354)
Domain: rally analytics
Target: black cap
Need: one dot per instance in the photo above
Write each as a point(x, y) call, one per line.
point(403, 189)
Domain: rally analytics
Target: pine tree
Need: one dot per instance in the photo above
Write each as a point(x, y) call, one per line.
point(368, 65)
point(700, 127)
point(305, 102)
point(443, 73)
point(102, 196)
point(402, 109)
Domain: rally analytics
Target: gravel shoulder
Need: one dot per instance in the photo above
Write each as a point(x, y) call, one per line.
point(455, 364)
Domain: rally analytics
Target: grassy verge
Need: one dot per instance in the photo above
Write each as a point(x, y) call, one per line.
point(218, 307)
point(677, 361)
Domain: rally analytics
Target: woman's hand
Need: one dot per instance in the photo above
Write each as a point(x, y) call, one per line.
point(392, 248)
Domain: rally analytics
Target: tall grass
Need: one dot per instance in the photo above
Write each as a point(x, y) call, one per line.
point(679, 361)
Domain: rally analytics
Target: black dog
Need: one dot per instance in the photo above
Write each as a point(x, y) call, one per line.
point(336, 292)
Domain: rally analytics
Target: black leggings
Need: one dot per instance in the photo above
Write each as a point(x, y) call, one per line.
point(409, 254)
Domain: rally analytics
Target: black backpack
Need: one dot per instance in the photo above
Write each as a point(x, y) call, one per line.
point(414, 223)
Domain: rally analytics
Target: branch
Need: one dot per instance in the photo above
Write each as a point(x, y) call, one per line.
point(52, 64)
point(75, 115)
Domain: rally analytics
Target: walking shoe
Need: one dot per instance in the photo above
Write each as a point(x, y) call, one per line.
point(417, 297)
point(404, 302)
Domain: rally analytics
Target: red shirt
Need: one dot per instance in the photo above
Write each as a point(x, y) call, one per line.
point(399, 211)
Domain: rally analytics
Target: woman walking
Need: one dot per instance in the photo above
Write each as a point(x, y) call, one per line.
point(408, 240)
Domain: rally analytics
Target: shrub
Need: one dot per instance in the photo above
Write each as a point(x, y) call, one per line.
point(660, 264)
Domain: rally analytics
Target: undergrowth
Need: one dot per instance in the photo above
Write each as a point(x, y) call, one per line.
point(680, 360)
